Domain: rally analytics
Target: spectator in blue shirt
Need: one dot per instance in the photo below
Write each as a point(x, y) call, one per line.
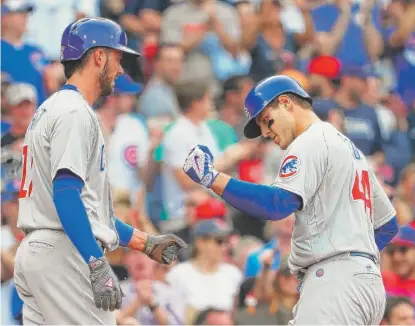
point(399, 37)
point(22, 61)
point(349, 31)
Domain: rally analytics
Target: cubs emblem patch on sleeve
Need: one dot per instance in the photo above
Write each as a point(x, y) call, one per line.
point(289, 167)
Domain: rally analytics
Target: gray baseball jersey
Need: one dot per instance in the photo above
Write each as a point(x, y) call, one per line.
point(343, 203)
point(65, 134)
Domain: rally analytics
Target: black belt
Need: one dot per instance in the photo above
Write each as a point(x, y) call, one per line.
point(362, 254)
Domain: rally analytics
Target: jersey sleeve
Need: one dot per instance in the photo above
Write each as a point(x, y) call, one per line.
point(72, 137)
point(303, 167)
point(383, 209)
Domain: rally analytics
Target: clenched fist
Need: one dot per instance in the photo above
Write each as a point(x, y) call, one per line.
point(163, 249)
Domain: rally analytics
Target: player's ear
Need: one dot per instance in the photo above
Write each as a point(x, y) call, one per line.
point(285, 102)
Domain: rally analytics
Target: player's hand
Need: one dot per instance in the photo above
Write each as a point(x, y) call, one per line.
point(163, 249)
point(105, 285)
point(199, 166)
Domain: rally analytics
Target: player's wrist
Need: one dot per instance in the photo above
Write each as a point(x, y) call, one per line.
point(138, 240)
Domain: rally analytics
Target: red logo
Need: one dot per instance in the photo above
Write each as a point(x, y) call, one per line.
point(290, 166)
point(130, 155)
point(109, 283)
point(320, 273)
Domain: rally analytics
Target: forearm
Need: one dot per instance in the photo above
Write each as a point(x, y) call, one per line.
point(262, 289)
point(406, 26)
point(308, 35)
point(132, 24)
point(385, 233)
point(130, 309)
point(191, 41)
point(161, 316)
point(230, 45)
point(261, 201)
point(129, 236)
point(336, 34)
point(373, 40)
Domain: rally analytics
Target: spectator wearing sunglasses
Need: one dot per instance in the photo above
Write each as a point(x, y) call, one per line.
point(400, 280)
point(206, 281)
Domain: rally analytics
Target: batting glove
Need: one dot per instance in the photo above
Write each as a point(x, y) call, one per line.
point(163, 248)
point(199, 166)
point(105, 285)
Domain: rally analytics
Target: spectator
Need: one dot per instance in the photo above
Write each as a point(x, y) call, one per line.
point(190, 129)
point(231, 110)
point(404, 201)
point(277, 248)
point(213, 317)
point(159, 98)
point(196, 278)
point(399, 311)
point(150, 300)
point(50, 18)
point(5, 112)
point(195, 22)
point(31, 60)
point(362, 125)
point(399, 37)
point(22, 101)
point(345, 25)
point(401, 279)
point(244, 247)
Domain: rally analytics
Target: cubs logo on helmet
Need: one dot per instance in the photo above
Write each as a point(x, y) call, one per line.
point(289, 167)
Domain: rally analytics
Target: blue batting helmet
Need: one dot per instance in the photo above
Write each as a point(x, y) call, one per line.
point(88, 33)
point(263, 93)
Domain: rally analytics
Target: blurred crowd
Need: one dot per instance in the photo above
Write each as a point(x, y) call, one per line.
point(199, 60)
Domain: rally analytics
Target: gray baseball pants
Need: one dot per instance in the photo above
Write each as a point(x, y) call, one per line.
point(342, 290)
point(52, 279)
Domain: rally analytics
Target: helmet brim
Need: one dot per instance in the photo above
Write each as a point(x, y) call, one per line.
point(251, 129)
point(128, 50)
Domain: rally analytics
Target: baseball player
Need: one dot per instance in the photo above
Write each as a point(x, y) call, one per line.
point(65, 206)
point(343, 218)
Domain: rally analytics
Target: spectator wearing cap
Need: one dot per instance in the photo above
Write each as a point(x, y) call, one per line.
point(345, 25)
point(50, 18)
point(206, 281)
point(322, 71)
point(127, 142)
point(190, 24)
point(213, 317)
point(159, 98)
point(399, 311)
point(404, 200)
point(22, 101)
point(401, 279)
point(231, 109)
point(399, 38)
point(5, 114)
point(24, 62)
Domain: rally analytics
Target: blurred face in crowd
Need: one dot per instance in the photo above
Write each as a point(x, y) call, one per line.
point(140, 267)
point(277, 121)
point(124, 102)
point(211, 248)
point(354, 86)
point(402, 260)
point(270, 12)
point(15, 23)
point(236, 98)
point(22, 113)
point(395, 9)
point(218, 318)
point(402, 314)
point(170, 63)
point(204, 106)
point(408, 179)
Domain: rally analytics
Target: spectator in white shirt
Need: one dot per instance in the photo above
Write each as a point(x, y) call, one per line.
point(206, 281)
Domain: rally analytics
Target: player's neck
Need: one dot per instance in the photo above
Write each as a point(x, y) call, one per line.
point(205, 265)
point(194, 117)
point(304, 122)
point(12, 38)
point(88, 87)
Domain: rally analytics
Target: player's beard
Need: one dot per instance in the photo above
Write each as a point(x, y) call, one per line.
point(105, 81)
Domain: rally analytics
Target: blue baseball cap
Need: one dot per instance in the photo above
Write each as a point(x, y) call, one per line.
point(11, 6)
point(405, 237)
point(211, 227)
point(125, 85)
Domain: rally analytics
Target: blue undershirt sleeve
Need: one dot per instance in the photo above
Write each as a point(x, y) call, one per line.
point(264, 202)
point(125, 232)
point(385, 233)
point(67, 189)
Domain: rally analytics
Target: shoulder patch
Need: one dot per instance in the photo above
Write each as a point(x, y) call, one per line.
point(289, 167)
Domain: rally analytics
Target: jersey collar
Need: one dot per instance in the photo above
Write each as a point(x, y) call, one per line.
point(69, 87)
